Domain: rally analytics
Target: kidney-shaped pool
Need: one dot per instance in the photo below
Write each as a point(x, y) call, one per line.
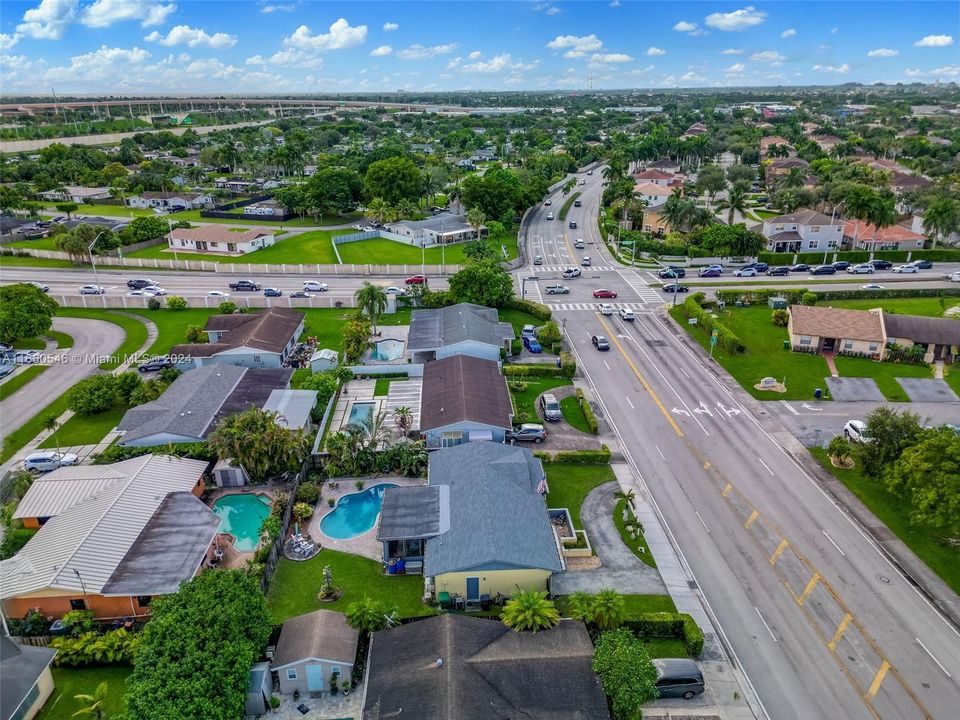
point(355, 513)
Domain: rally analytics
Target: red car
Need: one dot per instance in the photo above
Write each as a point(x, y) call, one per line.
point(416, 280)
point(604, 294)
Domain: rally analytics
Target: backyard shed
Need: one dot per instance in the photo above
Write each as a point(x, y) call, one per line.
point(324, 359)
point(313, 650)
point(259, 689)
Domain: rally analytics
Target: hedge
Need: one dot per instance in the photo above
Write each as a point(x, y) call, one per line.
point(795, 295)
point(674, 625)
point(577, 457)
point(539, 311)
point(568, 368)
point(116, 453)
point(858, 256)
point(725, 337)
point(566, 206)
point(587, 412)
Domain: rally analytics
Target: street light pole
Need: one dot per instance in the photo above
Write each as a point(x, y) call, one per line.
point(92, 263)
point(170, 239)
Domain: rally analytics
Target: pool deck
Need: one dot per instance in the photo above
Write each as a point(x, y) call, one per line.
point(355, 391)
point(366, 544)
point(233, 558)
point(388, 332)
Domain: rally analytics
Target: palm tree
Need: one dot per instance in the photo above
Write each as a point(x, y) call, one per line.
point(629, 495)
point(859, 203)
point(372, 300)
point(609, 609)
point(675, 210)
point(406, 209)
point(93, 704)
point(736, 202)
point(580, 606)
point(369, 615)
point(476, 217)
point(941, 218)
point(379, 209)
point(529, 611)
point(882, 214)
point(404, 418)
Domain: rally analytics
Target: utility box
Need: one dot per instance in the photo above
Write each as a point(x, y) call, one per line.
point(777, 303)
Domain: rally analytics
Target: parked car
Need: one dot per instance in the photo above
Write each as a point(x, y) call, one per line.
point(604, 293)
point(573, 225)
point(626, 314)
point(155, 364)
point(606, 309)
point(671, 272)
point(585, 260)
point(675, 288)
point(156, 289)
point(557, 290)
point(577, 203)
point(779, 270)
point(861, 269)
point(528, 331)
point(745, 272)
point(414, 280)
point(217, 294)
point(47, 460)
point(840, 265)
point(709, 272)
point(527, 432)
point(317, 286)
point(92, 290)
point(856, 431)
point(538, 260)
point(300, 294)
point(872, 286)
point(881, 264)
point(245, 286)
point(800, 267)
point(272, 292)
point(138, 283)
point(532, 344)
point(571, 272)
point(823, 270)
point(550, 407)
point(678, 678)
point(900, 269)
point(600, 342)
point(922, 264)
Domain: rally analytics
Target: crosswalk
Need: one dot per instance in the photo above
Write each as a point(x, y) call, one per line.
point(637, 307)
point(587, 269)
point(640, 286)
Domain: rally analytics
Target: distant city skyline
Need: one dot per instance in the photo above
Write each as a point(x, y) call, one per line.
point(266, 46)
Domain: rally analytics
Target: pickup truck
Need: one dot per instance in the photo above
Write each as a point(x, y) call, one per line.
point(245, 285)
point(557, 290)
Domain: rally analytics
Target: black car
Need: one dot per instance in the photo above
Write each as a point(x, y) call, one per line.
point(760, 267)
point(160, 363)
point(841, 265)
point(671, 272)
point(139, 283)
point(675, 288)
point(800, 267)
point(272, 292)
point(881, 264)
point(573, 224)
point(600, 342)
point(922, 264)
point(779, 270)
point(300, 294)
point(823, 270)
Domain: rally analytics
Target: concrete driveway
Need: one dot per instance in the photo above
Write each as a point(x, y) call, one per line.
point(92, 338)
point(621, 570)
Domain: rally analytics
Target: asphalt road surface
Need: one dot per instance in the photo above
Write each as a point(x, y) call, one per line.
point(823, 624)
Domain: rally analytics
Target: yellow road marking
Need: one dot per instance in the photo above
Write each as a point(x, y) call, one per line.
point(809, 588)
point(726, 490)
point(778, 552)
point(841, 629)
point(566, 241)
point(877, 679)
point(750, 520)
point(643, 381)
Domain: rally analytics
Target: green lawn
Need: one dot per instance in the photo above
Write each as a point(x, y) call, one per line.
point(525, 401)
point(63, 340)
point(892, 511)
point(9, 387)
point(639, 546)
point(30, 261)
point(295, 586)
point(382, 386)
point(172, 326)
point(573, 414)
point(113, 211)
point(952, 376)
point(34, 343)
point(299, 375)
point(86, 429)
point(136, 332)
point(308, 247)
point(31, 428)
point(570, 484)
point(665, 647)
point(381, 251)
point(70, 682)
point(637, 604)
point(44, 243)
point(518, 319)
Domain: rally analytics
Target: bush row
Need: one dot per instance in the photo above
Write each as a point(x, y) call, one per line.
point(567, 369)
point(725, 336)
point(116, 453)
point(795, 295)
point(91, 648)
point(587, 412)
point(577, 457)
point(858, 256)
point(672, 625)
point(539, 311)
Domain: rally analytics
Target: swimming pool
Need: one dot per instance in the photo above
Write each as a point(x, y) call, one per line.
point(388, 349)
point(355, 513)
point(361, 413)
point(241, 516)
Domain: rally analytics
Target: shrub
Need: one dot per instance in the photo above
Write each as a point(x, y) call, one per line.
point(780, 318)
point(308, 493)
point(270, 528)
point(93, 395)
point(154, 304)
point(808, 298)
point(127, 383)
point(587, 412)
point(839, 448)
point(175, 302)
point(90, 648)
point(549, 334)
point(227, 307)
point(195, 334)
point(627, 673)
point(302, 511)
point(577, 457)
point(279, 505)
point(518, 387)
point(13, 540)
point(540, 312)
point(673, 625)
point(516, 347)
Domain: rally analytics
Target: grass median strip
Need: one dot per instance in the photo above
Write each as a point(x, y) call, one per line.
point(567, 205)
point(16, 382)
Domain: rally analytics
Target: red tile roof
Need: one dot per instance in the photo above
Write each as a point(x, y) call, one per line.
point(864, 232)
point(653, 175)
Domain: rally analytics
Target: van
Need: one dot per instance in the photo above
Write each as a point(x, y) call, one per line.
point(678, 678)
point(953, 277)
point(550, 407)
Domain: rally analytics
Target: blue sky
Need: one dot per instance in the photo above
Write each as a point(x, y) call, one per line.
point(236, 46)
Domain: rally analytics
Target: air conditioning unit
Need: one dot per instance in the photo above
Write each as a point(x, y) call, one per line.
point(269, 652)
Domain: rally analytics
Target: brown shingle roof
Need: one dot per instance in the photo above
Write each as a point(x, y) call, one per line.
point(836, 323)
point(463, 387)
point(217, 233)
point(321, 634)
point(269, 330)
point(940, 331)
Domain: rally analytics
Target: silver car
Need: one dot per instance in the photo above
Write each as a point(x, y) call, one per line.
point(45, 461)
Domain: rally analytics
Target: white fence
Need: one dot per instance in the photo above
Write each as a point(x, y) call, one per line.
point(120, 302)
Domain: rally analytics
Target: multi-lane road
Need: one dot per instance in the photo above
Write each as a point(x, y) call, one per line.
point(823, 624)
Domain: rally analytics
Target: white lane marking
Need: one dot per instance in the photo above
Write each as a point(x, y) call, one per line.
point(933, 657)
point(789, 407)
point(629, 403)
point(833, 543)
point(684, 372)
point(661, 452)
point(765, 624)
point(765, 466)
point(605, 363)
point(708, 531)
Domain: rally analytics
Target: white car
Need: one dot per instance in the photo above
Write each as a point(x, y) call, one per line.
point(47, 460)
point(906, 269)
point(571, 272)
point(141, 293)
point(217, 294)
point(315, 286)
point(872, 286)
point(156, 289)
point(550, 216)
point(92, 290)
point(856, 431)
point(745, 272)
point(548, 202)
point(627, 314)
point(585, 260)
point(394, 290)
point(861, 269)
point(606, 309)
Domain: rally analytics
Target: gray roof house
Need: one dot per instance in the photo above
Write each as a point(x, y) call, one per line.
point(442, 229)
point(455, 667)
point(25, 679)
point(462, 329)
point(312, 649)
point(193, 404)
point(293, 408)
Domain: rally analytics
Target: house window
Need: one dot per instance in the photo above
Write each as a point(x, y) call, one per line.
point(213, 244)
point(231, 247)
point(813, 244)
point(805, 339)
point(291, 674)
point(814, 228)
point(832, 244)
point(78, 604)
point(874, 347)
point(256, 358)
point(183, 243)
point(144, 600)
point(449, 439)
point(778, 228)
point(848, 344)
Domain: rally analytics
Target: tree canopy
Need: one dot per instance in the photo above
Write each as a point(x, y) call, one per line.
point(890, 432)
point(498, 193)
point(25, 312)
point(393, 179)
point(729, 240)
point(483, 283)
point(626, 671)
point(255, 440)
point(928, 473)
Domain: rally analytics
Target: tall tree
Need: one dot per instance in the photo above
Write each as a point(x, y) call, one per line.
point(372, 300)
point(711, 180)
point(255, 440)
point(941, 218)
point(736, 202)
point(393, 179)
point(882, 213)
point(476, 218)
point(25, 312)
point(483, 283)
point(927, 474)
point(379, 209)
point(890, 432)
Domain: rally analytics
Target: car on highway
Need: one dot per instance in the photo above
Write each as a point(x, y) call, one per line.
point(856, 431)
point(156, 289)
point(922, 264)
point(589, 172)
point(840, 265)
point(671, 272)
point(394, 290)
point(900, 269)
point(272, 292)
point(139, 283)
point(557, 290)
point(577, 203)
point(527, 432)
point(605, 309)
point(538, 260)
point(532, 344)
point(779, 270)
point(413, 280)
point(315, 286)
point(861, 269)
point(550, 407)
point(745, 272)
point(573, 224)
point(217, 294)
point(953, 277)
point(155, 364)
point(626, 314)
point(92, 290)
point(300, 295)
point(549, 216)
point(872, 286)
point(47, 460)
point(579, 244)
point(245, 286)
point(675, 288)
point(582, 182)
point(39, 286)
point(604, 293)
point(548, 203)
point(800, 267)
point(140, 293)
point(571, 272)
point(585, 260)
point(760, 267)
point(600, 342)
point(709, 272)
point(881, 264)
point(823, 270)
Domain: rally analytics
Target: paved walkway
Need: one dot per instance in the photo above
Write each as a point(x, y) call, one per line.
point(325, 707)
point(562, 435)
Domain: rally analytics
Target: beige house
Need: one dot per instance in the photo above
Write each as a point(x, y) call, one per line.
point(314, 651)
point(219, 239)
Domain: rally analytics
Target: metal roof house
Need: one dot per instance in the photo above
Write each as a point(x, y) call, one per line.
point(441, 229)
point(26, 682)
point(313, 649)
point(462, 329)
point(293, 408)
point(141, 535)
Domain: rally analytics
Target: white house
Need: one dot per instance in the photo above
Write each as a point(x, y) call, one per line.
point(74, 193)
point(802, 231)
point(219, 239)
point(265, 207)
point(442, 229)
point(170, 200)
point(653, 194)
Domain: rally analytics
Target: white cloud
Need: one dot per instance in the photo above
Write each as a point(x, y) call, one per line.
point(496, 64)
point(736, 68)
point(770, 56)
point(390, 26)
point(212, 68)
point(614, 3)
point(834, 30)
point(104, 13)
point(731, 51)
point(737, 20)
point(914, 72)
point(640, 72)
point(946, 71)
point(576, 47)
point(547, 8)
point(422, 52)
point(789, 33)
point(381, 51)
point(192, 37)
point(289, 58)
point(268, 8)
point(692, 77)
point(689, 28)
point(48, 20)
point(475, 55)
point(8, 41)
point(104, 63)
point(835, 69)
point(340, 37)
point(935, 41)
point(883, 53)
point(610, 58)
point(655, 51)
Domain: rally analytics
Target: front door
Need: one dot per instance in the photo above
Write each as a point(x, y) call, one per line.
point(829, 344)
point(315, 681)
point(473, 588)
